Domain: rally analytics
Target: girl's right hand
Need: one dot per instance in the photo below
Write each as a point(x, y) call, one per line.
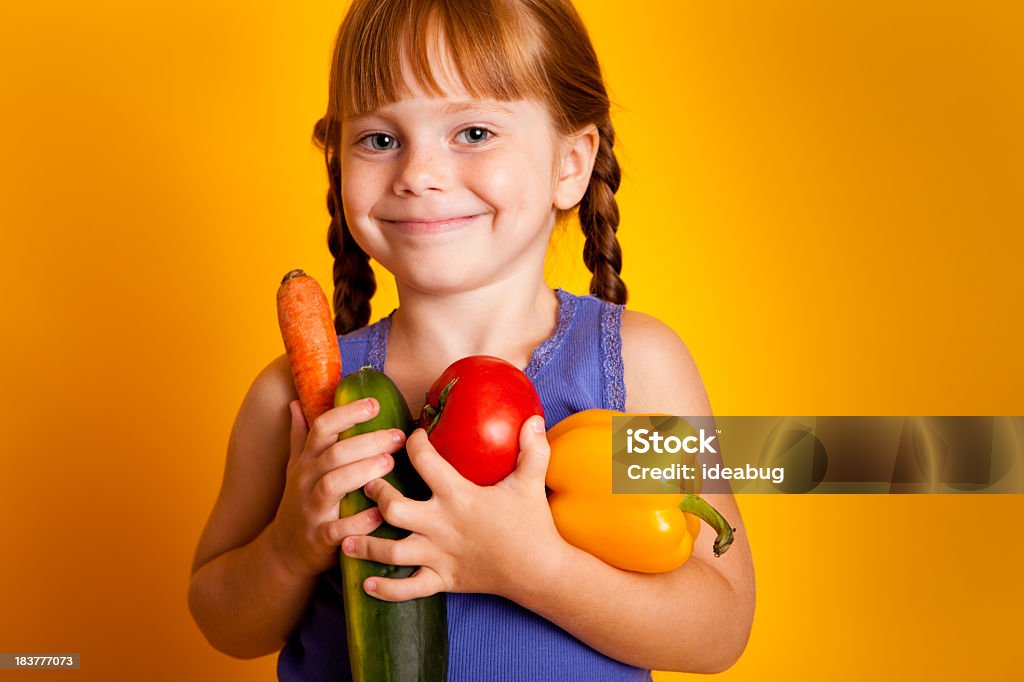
point(321, 470)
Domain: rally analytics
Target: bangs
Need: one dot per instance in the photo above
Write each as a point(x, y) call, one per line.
point(488, 46)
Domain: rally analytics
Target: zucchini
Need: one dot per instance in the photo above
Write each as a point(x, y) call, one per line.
point(401, 641)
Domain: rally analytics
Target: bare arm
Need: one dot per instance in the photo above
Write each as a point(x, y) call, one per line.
point(242, 595)
point(275, 525)
point(693, 619)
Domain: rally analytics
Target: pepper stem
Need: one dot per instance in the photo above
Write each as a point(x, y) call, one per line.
point(702, 509)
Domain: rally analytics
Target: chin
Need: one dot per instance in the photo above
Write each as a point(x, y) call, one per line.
point(440, 281)
point(440, 271)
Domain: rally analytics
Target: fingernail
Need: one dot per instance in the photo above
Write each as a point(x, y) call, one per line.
point(371, 585)
point(347, 545)
point(397, 436)
point(371, 405)
point(385, 462)
point(368, 488)
point(375, 516)
point(537, 425)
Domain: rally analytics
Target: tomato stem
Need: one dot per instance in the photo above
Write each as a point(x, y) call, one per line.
point(434, 413)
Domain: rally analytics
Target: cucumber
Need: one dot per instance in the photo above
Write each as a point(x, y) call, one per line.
point(400, 641)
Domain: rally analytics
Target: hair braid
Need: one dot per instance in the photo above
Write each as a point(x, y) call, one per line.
point(599, 218)
point(354, 281)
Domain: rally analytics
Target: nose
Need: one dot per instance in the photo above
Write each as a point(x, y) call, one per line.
point(422, 169)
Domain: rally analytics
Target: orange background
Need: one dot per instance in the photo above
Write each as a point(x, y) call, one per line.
point(823, 199)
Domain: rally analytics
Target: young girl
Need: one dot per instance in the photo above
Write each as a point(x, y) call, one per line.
point(458, 133)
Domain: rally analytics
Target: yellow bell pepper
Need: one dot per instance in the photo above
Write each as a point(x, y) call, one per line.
point(646, 533)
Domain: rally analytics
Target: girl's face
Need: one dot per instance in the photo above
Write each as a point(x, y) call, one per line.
point(453, 193)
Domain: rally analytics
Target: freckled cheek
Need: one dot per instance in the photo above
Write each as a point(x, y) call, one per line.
point(492, 185)
point(360, 188)
point(506, 186)
point(360, 192)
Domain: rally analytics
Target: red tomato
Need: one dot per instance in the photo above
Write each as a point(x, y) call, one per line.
point(474, 413)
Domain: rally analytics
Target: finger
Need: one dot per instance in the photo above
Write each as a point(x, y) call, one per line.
point(337, 483)
point(298, 430)
point(360, 447)
point(423, 583)
point(534, 451)
point(440, 476)
point(326, 428)
point(363, 523)
point(397, 509)
point(413, 550)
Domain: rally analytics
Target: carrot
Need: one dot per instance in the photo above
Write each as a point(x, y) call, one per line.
point(310, 341)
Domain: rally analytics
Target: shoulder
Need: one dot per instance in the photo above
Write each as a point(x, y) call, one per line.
point(659, 372)
point(272, 388)
point(260, 435)
point(263, 422)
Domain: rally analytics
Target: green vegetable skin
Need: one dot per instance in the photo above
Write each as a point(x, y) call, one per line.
point(400, 641)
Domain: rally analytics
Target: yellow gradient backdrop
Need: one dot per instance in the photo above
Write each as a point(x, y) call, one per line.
point(823, 199)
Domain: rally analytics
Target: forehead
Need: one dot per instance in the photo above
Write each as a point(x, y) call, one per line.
point(437, 76)
point(443, 90)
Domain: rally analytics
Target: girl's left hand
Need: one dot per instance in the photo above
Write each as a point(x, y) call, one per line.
point(466, 538)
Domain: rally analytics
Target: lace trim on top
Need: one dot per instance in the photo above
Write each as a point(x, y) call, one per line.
point(611, 357)
point(542, 353)
point(377, 344)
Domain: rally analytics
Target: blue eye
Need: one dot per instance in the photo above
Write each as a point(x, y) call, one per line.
point(475, 135)
point(379, 141)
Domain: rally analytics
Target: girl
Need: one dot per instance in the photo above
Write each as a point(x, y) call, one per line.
point(457, 135)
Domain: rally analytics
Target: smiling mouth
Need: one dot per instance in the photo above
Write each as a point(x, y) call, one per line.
point(431, 226)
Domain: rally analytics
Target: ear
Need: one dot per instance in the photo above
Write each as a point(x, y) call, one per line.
point(578, 152)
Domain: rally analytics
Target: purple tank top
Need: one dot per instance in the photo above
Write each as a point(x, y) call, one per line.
point(491, 638)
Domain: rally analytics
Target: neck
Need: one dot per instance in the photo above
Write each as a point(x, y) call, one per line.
point(507, 319)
